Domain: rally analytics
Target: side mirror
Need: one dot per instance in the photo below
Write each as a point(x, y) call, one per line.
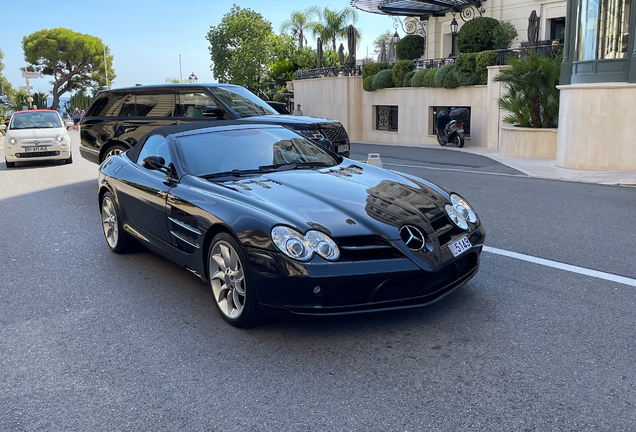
point(213, 111)
point(154, 163)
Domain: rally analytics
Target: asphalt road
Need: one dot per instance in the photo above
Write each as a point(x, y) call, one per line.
point(94, 341)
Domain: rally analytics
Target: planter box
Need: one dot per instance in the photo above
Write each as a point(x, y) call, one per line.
point(528, 142)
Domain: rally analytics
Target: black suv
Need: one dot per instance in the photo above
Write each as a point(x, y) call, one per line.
point(118, 118)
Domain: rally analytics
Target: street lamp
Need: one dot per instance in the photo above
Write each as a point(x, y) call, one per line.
point(193, 78)
point(396, 38)
point(454, 26)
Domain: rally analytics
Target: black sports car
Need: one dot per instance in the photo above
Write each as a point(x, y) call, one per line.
point(278, 224)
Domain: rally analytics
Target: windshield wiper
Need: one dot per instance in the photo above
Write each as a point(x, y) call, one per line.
point(292, 165)
point(235, 173)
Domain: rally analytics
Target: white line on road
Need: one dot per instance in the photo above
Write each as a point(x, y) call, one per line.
point(567, 267)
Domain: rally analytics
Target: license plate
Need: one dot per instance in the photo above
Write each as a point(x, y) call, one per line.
point(34, 149)
point(459, 246)
point(343, 148)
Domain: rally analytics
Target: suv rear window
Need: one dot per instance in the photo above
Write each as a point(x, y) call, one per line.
point(113, 104)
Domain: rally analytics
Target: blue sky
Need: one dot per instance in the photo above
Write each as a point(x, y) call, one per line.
point(146, 37)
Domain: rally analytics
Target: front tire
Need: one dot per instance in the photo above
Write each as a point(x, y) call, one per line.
point(118, 240)
point(231, 282)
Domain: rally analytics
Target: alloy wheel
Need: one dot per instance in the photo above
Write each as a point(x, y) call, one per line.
point(109, 222)
point(227, 279)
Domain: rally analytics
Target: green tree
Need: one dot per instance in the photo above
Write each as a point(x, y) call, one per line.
point(296, 25)
point(74, 60)
point(377, 42)
point(331, 25)
point(40, 99)
point(240, 48)
point(7, 89)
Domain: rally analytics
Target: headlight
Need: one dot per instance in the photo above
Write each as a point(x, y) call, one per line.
point(464, 208)
point(323, 245)
point(457, 218)
point(301, 248)
point(13, 141)
point(59, 138)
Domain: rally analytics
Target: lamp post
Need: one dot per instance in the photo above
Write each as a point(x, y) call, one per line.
point(454, 29)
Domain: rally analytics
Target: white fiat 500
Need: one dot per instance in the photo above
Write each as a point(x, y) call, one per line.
point(36, 135)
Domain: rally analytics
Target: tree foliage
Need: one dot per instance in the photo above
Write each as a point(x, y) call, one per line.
point(297, 23)
point(531, 83)
point(503, 35)
point(240, 48)
point(377, 42)
point(331, 25)
point(477, 35)
point(74, 60)
point(410, 47)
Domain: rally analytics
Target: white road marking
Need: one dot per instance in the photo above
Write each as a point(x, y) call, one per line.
point(561, 266)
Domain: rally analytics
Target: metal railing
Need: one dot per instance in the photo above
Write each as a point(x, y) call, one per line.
point(504, 56)
point(333, 71)
point(432, 63)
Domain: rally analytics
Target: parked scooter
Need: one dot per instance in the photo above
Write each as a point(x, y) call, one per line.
point(450, 126)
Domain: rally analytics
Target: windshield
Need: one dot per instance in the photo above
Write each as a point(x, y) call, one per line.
point(242, 101)
point(263, 149)
point(35, 120)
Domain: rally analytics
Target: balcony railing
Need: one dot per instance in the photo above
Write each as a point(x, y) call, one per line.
point(504, 56)
point(432, 63)
point(333, 71)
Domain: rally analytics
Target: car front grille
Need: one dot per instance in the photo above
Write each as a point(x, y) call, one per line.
point(334, 133)
point(37, 154)
point(362, 248)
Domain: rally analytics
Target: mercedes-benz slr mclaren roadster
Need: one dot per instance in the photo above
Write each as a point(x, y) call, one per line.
point(277, 224)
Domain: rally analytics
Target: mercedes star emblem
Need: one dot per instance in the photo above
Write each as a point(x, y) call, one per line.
point(412, 237)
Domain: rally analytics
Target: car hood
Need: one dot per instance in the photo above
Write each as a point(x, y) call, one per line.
point(347, 200)
point(22, 134)
point(297, 122)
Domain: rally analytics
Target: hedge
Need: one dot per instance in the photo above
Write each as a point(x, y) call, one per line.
point(466, 62)
point(383, 79)
point(410, 47)
point(441, 73)
point(400, 69)
point(367, 83)
point(429, 78)
point(416, 81)
point(407, 79)
point(373, 68)
point(477, 35)
point(450, 79)
point(467, 78)
point(485, 59)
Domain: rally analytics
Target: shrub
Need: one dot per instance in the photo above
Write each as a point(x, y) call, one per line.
point(407, 79)
point(383, 79)
point(410, 47)
point(477, 35)
point(374, 68)
point(367, 83)
point(503, 35)
point(467, 78)
point(466, 62)
point(400, 69)
point(429, 78)
point(485, 59)
point(441, 73)
point(450, 79)
point(416, 81)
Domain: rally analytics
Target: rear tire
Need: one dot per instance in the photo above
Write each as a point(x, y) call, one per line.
point(458, 141)
point(10, 164)
point(230, 277)
point(113, 150)
point(118, 240)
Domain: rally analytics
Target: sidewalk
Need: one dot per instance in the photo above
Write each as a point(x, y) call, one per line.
point(540, 168)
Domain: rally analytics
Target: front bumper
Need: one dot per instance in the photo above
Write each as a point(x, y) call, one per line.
point(287, 288)
point(54, 152)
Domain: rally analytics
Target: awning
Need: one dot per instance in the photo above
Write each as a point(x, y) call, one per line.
point(414, 8)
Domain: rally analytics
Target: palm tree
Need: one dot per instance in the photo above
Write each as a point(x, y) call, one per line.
point(331, 25)
point(296, 24)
